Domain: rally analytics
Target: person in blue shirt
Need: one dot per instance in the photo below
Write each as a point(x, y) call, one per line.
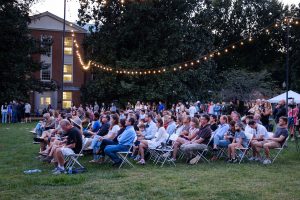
point(239, 141)
point(125, 141)
point(95, 126)
point(161, 107)
point(171, 125)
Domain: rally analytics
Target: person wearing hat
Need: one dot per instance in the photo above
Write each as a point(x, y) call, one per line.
point(76, 121)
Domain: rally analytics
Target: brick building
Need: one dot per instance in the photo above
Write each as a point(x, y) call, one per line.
point(47, 25)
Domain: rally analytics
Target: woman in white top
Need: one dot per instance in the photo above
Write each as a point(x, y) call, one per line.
point(112, 133)
point(160, 137)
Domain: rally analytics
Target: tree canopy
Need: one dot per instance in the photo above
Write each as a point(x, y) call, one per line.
point(16, 64)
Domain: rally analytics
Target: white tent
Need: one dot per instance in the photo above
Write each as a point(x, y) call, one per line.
point(291, 94)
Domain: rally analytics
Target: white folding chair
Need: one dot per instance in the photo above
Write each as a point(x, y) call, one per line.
point(124, 155)
point(279, 150)
point(202, 152)
point(72, 160)
point(242, 151)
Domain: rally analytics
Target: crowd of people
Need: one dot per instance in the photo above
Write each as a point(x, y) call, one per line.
point(15, 111)
point(187, 128)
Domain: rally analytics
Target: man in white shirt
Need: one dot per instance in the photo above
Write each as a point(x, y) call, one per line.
point(150, 127)
point(260, 134)
point(192, 110)
point(27, 112)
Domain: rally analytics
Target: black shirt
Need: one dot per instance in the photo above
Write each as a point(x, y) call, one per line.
point(103, 129)
point(214, 126)
point(74, 136)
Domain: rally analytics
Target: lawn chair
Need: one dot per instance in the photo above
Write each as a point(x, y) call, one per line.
point(203, 152)
point(279, 150)
point(72, 160)
point(242, 151)
point(124, 155)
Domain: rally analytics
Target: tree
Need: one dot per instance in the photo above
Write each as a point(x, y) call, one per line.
point(16, 47)
point(139, 35)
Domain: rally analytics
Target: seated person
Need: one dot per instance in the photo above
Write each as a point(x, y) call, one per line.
point(160, 137)
point(103, 130)
point(47, 123)
point(213, 122)
point(72, 145)
point(114, 141)
point(150, 127)
point(200, 142)
point(239, 141)
point(219, 136)
point(112, 133)
point(94, 128)
point(125, 141)
point(276, 141)
point(260, 133)
point(186, 136)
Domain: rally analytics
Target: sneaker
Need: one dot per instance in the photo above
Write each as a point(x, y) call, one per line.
point(59, 171)
point(267, 162)
point(195, 160)
point(234, 160)
point(137, 158)
point(54, 170)
point(252, 158)
point(229, 161)
point(142, 162)
point(35, 142)
point(293, 139)
point(47, 159)
point(258, 159)
point(167, 154)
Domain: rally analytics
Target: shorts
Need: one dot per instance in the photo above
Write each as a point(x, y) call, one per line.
point(67, 151)
point(27, 115)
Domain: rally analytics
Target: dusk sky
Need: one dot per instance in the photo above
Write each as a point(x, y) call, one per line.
point(57, 7)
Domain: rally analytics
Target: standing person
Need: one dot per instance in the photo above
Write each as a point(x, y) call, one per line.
point(4, 109)
point(265, 114)
point(9, 112)
point(14, 112)
point(292, 119)
point(96, 107)
point(279, 111)
point(192, 110)
point(27, 112)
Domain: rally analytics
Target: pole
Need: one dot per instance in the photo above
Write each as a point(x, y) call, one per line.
point(63, 55)
point(287, 65)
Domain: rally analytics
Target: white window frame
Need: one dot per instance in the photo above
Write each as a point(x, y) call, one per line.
point(50, 71)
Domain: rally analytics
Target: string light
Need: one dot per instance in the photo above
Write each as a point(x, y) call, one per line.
point(163, 70)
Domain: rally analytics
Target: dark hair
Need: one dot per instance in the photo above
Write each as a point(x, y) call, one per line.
point(123, 122)
point(96, 115)
point(225, 118)
point(115, 117)
point(214, 117)
point(249, 117)
point(240, 125)
point(251, 122)
point(232, 123)
point(173, 118)
point(160, 121)
point(284, 119)
point(206, 117)
point(150, 115)
point(131, 120)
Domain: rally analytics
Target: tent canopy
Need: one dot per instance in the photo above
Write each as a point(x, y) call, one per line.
point(291, 94)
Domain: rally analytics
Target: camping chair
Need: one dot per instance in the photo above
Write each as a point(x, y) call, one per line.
point(72, 160)
point(203, 152)
point(124, 155)
point(242, 151)
point(279, 150)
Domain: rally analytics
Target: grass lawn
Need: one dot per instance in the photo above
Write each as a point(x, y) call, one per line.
point(219, 180)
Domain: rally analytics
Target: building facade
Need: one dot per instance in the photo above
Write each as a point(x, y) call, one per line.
point(47, 25)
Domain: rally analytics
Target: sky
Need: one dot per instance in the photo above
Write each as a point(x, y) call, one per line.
point(57, 7)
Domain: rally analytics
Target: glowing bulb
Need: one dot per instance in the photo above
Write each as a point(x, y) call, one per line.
point(297, 22)
point(242, 43)
point(164, 70)
point(185, 65)
point(226, 50)
point(250, 39)
point(219, 53)
point(233, 46)
point(198, 61)
point(205, 58)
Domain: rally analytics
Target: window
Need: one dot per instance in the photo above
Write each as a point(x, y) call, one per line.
point(68, 73)
point(68, 45)
point(45, 101)
point(46, 72)
point(67, 99)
